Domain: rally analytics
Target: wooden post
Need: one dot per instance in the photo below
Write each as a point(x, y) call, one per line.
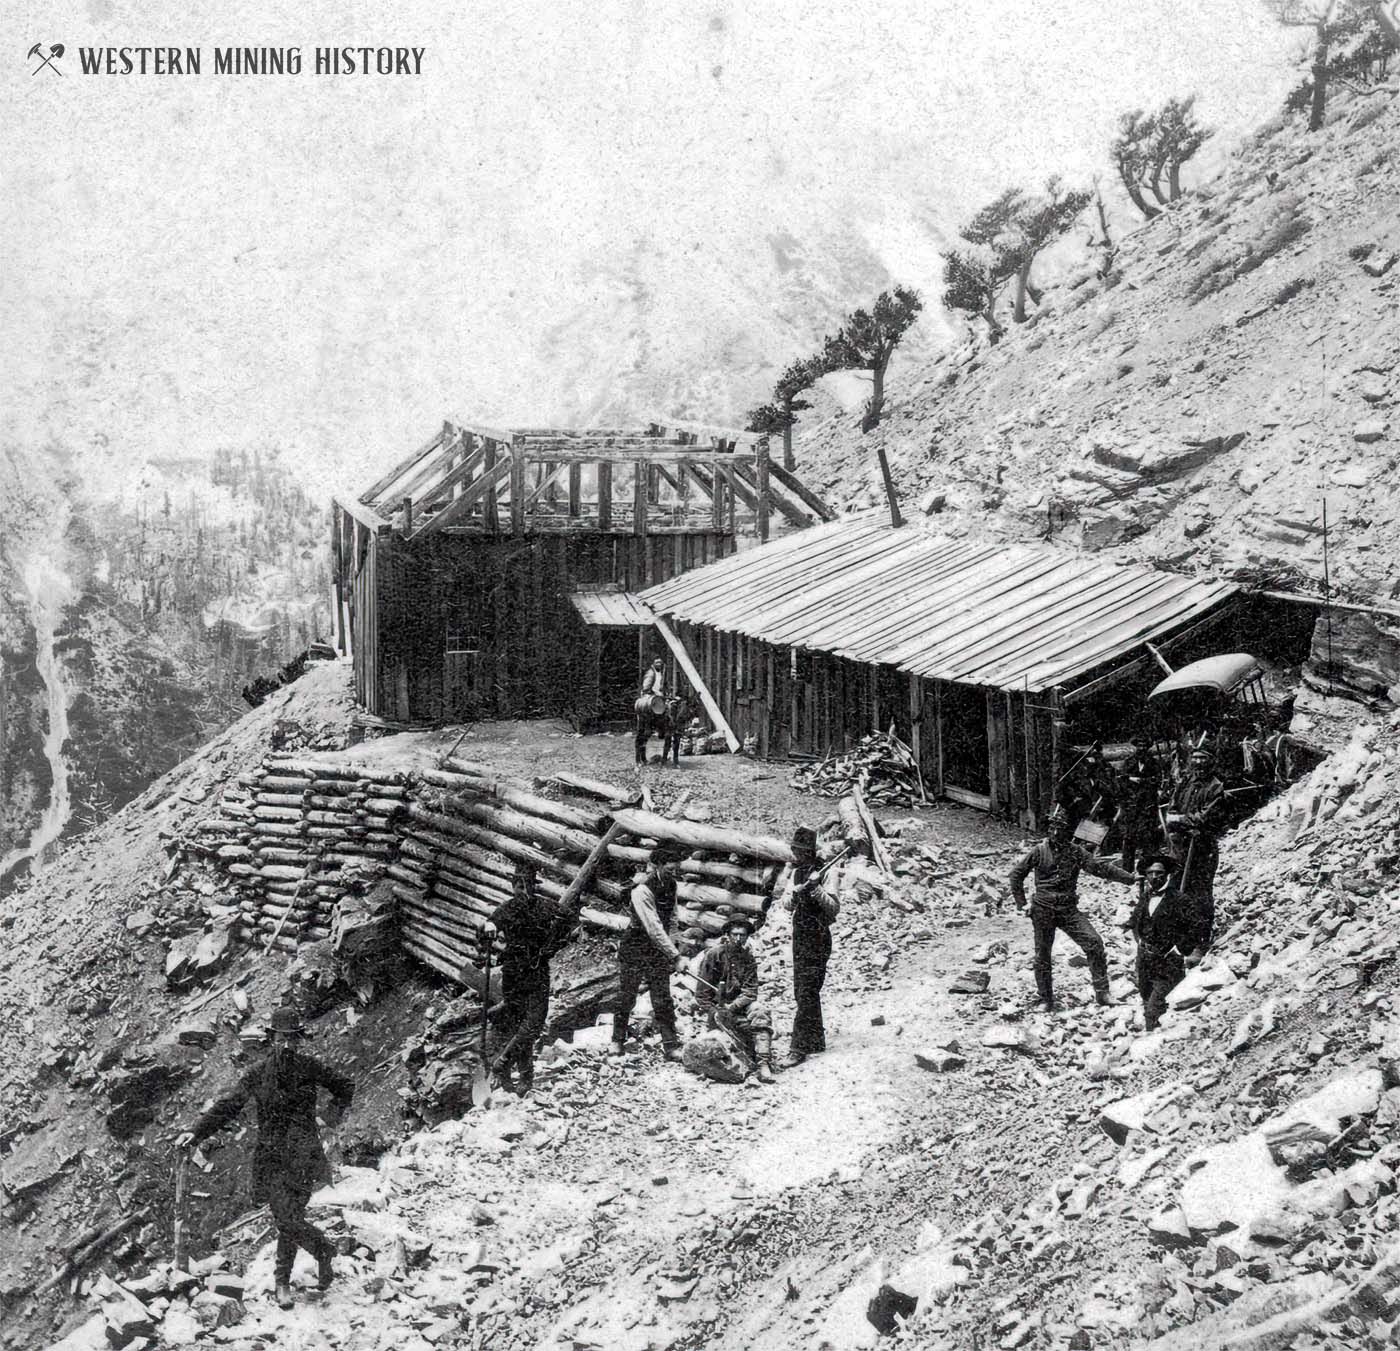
point(604, 496)
point(764, 499)
point(408, 515)
point(517, 490)
point(896, 519)
point(938, 724)
point(639, 499)
point(574, 891)
point(1057, 740)
point(717, 497)
point(490, 510)
point(575, 488)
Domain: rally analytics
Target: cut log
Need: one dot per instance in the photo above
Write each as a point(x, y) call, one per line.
point(333, 818)
point(449, 961)
point(286, 815)
point(603, 919)
point(707, 896)
point(605, 792)
point(281, 783)
point(280, 800)
point(527, 829)
point(877, 848)
point(755, 876)
point(693, 835)
point(330, 769)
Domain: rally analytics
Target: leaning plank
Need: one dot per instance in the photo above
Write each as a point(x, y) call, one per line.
point(574, 892)
point(650, 825)
point(801, 491)
point(684, 662)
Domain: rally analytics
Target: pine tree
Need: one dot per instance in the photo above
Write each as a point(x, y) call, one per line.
point(1037, 223)
point(1351, 39)
point(866, 342)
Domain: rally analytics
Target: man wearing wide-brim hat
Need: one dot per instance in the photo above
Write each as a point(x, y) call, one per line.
point(288, 1161)
point(811, 898)
point(1171, 935)
point(647, 954)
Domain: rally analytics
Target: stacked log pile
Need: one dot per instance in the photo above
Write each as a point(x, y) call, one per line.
point(446, 841)
point(297, 834)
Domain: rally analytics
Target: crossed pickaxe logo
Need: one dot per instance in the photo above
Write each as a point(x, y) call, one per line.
point(55, 51)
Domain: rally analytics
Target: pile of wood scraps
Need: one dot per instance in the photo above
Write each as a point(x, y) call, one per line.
point(881, 765)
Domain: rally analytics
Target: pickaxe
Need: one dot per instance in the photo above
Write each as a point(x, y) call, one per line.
point(55, 52)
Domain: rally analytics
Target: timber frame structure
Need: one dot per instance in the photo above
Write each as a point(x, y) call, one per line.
point(479, 576)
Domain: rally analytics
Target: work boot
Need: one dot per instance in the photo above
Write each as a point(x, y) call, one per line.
point(1104, 999)
point(283, 1294)
point(616, 1049)
point(791, 1060)
point(325, 1271)
point(1046, 1006)
point(525, 1087)
point(671, 1052)
point(763, 1056)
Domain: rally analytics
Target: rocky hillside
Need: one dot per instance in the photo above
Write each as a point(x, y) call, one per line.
point(1195, 407)
point(132, 610)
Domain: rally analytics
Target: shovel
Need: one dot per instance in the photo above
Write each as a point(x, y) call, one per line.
point(481, 1080)
point(182, 1206)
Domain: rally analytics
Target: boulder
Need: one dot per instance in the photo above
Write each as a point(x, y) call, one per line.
point(1010, 1037)
point(1238, 1182)
point(1320, 1115)
point(939, 1060)
point(1168, 1229)
point(1369, 430)
point(971, 982)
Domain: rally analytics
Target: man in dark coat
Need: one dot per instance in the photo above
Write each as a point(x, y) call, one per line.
point(727, 994)
point(649, 723)
point(814, 908)
point(1170, 933)
point(1141, 780)
point(533, 929)
point(647, 954)
point(1057, 862)
point(1195, 819)
point(288, 1161)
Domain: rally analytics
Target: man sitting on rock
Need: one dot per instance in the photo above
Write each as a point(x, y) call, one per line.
point(1170, 937)
point(727, 993)
point(288, 1161)
point(1057, 862)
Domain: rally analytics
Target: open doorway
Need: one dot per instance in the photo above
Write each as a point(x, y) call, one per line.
point(619, 672)
point(966, 766)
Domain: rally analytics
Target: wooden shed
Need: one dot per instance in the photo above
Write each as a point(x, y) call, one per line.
point(493, 572)
point(975, 652)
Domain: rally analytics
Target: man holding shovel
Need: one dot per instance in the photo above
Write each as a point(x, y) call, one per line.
point(727, 995)
point(288, 1161)
point(1195, 817)
point(647, 954)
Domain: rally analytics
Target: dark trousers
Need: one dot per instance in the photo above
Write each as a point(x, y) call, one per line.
point(808, 976)
point(1158, 974)
point(648, 726)
point(1199, 883)
point(1076, 926)
point(1141, 839)
point(294, 1230)
point(522, 1020)
point(648, 967)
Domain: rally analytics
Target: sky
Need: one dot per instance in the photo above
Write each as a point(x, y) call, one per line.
point(334, 265)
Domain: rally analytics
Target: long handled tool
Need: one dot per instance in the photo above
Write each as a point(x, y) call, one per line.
point(481, 1080)
point(182, 1206)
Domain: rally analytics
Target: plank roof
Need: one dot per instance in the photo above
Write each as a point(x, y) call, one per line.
point(1006, 616)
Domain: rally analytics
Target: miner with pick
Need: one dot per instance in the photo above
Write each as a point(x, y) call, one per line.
point(727, 994)
point(1195, 819)
point(814, 907)
point(288, 1161)
point(647, 954)
point(533, 929)
point(1057, 862)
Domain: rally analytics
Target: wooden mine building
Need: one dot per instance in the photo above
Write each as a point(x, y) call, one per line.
point(493, 572)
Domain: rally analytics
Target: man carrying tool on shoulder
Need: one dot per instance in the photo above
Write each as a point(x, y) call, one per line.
point(1057, 862)
point(288, 1161)
point(727, 994)
point(646, 953)
point(1195, 817)
point(812, 900)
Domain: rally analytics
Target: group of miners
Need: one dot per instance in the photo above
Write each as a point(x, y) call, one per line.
point(1172, 831)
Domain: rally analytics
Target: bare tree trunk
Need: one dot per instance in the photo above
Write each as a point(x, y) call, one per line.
point(1155, 182)
point(1023, 277)
point(1134, 192)
point(1107, 241)
point(876, 405)
point(990, 315)
point(1174, 180)
point(1319, 74)
point(789, 460)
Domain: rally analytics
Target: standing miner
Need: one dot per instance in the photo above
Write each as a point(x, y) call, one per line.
point(1170, 933)
point(533, 929)
point(1141, 779)
point(814, 909)
point(649, 721)
point(1195, 819)
point(1057, 862)
point(288, 1161)
point(646, 954)
point(727, 994)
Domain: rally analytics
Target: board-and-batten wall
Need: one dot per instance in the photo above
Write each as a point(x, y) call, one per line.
point(815, 704)
point(507, 600)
